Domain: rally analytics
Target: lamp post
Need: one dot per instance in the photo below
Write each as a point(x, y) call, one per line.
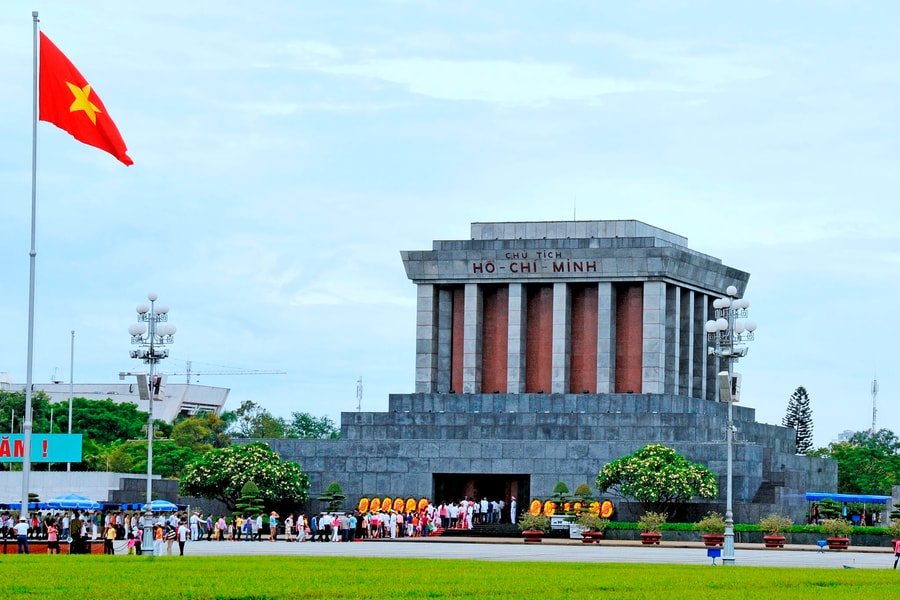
point(152, 333)
point(726, 334)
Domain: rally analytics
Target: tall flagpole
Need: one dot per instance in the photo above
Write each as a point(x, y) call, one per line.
point(26, 459)
point(71, 388)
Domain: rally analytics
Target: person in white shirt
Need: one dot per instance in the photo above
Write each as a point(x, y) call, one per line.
point(21, 528)
point(289, 527)
point(183, 533)
point(195, 527)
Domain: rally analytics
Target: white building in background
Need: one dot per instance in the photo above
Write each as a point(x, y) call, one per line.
point(845, 435)
point(177, 398)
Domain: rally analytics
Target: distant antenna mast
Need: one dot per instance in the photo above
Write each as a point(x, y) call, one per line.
point(874, 402)
point(359, 394)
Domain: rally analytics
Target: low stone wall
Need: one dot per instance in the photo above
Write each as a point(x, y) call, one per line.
point(755, 537)
point(9, 546)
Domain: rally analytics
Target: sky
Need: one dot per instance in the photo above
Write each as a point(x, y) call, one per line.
point(286, 152)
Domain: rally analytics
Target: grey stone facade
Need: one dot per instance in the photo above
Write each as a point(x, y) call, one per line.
point(444, 445)
point(679, 285)
point(551, 438)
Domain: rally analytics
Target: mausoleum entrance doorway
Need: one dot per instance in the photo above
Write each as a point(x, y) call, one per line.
point(453, 487)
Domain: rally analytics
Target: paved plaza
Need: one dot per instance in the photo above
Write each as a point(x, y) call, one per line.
point(554, 551)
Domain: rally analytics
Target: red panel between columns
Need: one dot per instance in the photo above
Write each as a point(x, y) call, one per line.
point(629, 338)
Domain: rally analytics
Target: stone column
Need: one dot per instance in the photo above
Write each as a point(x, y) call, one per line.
point(686, 342)
point(562, 304)
point(472, 339)
point(654, 345)
point(672, 348)
point(515, 365)
point(444, 339)
point(426, 339)
point(700, 357)
point(709, 364)
point(606, 335)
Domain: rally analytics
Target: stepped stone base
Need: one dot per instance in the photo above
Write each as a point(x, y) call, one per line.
point(446, 446)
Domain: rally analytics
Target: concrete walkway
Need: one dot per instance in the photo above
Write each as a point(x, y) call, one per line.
point(511, 549)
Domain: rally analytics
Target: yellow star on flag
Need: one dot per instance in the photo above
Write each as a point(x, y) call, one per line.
point(83, 102)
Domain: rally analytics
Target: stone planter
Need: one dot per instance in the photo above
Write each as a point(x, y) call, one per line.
point(591, 537)
point(650, 538)
point(838, 543)
point(532, 536)
point(713, 540)
point(774, 541)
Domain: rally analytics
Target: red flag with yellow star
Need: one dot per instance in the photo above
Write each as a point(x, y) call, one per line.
point(68, 101)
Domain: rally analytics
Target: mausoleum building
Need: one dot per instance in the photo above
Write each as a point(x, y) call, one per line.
point(545, 350)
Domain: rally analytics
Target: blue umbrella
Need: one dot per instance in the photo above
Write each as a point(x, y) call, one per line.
point(73, 501)
point(160, 506)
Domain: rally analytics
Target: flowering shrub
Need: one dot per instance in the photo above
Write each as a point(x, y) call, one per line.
point(222, 472)
point(530, 522)
point(711, 523)
point(591, 522)
point(775, 524)
point(836, 527)
point(652, 522)
point(657, 477)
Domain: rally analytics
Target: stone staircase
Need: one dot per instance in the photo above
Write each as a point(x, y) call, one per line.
point(483, 530)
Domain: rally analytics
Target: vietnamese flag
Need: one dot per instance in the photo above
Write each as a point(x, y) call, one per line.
point(68, 101)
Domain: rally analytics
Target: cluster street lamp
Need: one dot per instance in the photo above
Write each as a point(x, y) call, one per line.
point(726, 334)
point(152, 333)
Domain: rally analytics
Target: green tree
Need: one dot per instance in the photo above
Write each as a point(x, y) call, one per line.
point(334, 496)
point(560, 494)
point(253, 421)
point(222, 472)
point(305, 426)
point(249, 502)
point(105, 421)
point(169, 459)
point(868, 463)
point(584, 494)
point(12, 411)
point(658, 478)
point(121, 460)
point(201, 433)
point(799, 418)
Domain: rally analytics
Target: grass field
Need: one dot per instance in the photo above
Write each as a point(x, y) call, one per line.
point(270, 577)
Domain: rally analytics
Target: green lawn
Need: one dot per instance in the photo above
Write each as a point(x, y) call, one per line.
point(116, 577)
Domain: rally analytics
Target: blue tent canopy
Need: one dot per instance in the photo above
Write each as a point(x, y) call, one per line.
point(160, 505)
point(18, 506)
point(73, 501)
point(860, 498)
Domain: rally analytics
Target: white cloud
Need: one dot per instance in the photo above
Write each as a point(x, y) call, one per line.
point(503, 82)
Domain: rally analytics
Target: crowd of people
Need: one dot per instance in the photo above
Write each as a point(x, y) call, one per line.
point(861, 518)
point(79, 527)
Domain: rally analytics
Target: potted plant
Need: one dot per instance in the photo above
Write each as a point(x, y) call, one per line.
point(774, 525)
point(714, 526)
point(837, 532)
point(592, 527)
point(650, 525)
point(583, 498)
point(533, 527)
